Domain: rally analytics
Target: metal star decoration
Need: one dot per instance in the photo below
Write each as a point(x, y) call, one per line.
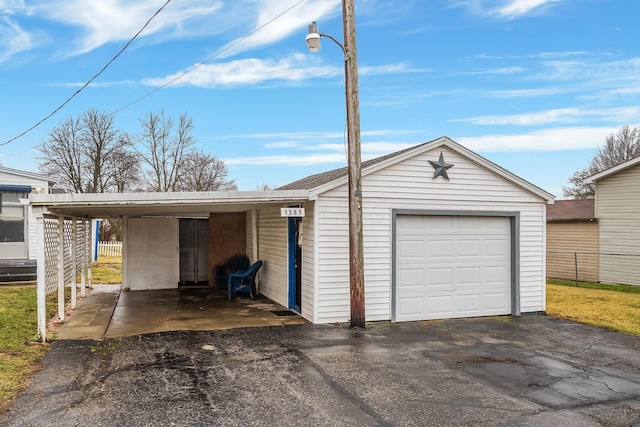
point(440, 168)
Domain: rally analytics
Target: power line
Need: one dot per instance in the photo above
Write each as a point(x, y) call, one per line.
point(90, 80)
point(215, 55)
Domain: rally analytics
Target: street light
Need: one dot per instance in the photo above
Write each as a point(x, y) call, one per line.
point(356, 248)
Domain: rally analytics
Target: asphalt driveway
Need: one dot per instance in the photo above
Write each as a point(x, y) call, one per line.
point(526, 371)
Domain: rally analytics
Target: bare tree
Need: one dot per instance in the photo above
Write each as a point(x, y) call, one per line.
point(204, 172)
point(84, 154)
point(62, 155)
point(618, 148)
point(163, 146)
point(264, 187)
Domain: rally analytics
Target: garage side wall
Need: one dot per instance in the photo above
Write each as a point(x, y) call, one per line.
point(272, 247)
point(409, 185)
point(308, 263)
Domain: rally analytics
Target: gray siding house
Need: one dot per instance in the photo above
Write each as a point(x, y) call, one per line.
point(618, 211)
point(18, 240)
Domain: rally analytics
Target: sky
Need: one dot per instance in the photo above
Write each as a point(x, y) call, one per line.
point(532, 85)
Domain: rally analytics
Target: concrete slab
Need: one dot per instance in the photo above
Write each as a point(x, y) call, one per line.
point(108, 312)
point(525, 371)
point(91, 319)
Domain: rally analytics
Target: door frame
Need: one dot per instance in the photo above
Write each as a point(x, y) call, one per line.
point(515, 248)
point(294, 256)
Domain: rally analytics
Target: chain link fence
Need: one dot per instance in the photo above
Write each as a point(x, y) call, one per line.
point(594, 267)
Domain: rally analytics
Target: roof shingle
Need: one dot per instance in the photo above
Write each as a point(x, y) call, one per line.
point(571, 210)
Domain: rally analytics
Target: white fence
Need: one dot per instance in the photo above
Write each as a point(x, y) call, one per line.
point(109, 248)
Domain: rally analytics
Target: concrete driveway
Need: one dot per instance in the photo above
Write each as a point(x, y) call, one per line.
point(525, 371)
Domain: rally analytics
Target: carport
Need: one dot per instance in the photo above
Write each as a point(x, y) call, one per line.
point(153, 241)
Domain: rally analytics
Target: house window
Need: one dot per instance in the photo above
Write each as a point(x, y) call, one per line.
point(11, 217)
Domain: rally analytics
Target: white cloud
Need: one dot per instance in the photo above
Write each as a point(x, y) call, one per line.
point(251, 71)
point(503, 9)
point(336, 153)
point(557, 139)
point(13, 39)
point(318, 135)
point(523, 93)
point(515, 8)
point(496, 71)
point(106, 21)
point(560, 115)
point(288, 160)
point(301, 15)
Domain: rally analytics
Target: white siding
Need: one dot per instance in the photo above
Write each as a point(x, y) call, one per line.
point(618, 212)
point(272, 247)
point(308, 262)
point(410, 185)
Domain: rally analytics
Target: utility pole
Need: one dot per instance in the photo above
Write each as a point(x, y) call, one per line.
point(356, 246)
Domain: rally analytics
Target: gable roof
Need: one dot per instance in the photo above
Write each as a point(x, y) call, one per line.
point(622, 166)
point(319, 183)
point(26, 174)
point(572, 211)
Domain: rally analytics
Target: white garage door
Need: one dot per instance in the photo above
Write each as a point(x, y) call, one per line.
point(452, 266)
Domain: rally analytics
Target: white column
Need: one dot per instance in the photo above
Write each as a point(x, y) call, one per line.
point(74, 263)
point(61, 268)
point(125, 253)
point(85, 247)
point(91, 240)
point(41, 284)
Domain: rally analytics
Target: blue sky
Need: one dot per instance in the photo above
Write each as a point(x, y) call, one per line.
point(533, 85)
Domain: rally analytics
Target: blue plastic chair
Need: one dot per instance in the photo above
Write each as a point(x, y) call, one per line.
point(244, 281)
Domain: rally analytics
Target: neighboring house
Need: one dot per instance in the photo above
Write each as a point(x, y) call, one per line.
point(447, 233)
point(618, 211)
point(572, 240)
point(18, 242)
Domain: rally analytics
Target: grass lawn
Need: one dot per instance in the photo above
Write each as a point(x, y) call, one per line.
point(20, 353)
point(107, 270)
point(615, 307)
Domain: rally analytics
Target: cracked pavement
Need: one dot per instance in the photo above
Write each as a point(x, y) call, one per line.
point(505, 371)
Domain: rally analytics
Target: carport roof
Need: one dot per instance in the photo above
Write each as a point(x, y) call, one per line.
point(188, 204)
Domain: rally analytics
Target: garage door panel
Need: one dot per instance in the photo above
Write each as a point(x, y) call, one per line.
point(411, 279)
point(439, 249)
point(459, 267)
point(497, 300)
point(411, 307)
point(468, 276)
point(439, 305)
point(469, 304)
point(468, 247)
point(411, 249)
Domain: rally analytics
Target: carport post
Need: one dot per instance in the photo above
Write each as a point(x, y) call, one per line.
point(83, 275)
point(61, 268)
point(41, 283)
point(74, 258)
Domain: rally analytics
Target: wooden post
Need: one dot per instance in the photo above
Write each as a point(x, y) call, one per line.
point(356, 246)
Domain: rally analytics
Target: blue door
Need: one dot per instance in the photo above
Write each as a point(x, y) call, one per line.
point(295, 264)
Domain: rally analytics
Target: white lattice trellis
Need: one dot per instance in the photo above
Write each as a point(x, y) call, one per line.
point(54, 275)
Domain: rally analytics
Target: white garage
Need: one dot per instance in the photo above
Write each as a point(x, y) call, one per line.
point(446, 233)
point(452, 266)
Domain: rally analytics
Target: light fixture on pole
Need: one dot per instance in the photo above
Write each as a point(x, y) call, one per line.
point(354, 166)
